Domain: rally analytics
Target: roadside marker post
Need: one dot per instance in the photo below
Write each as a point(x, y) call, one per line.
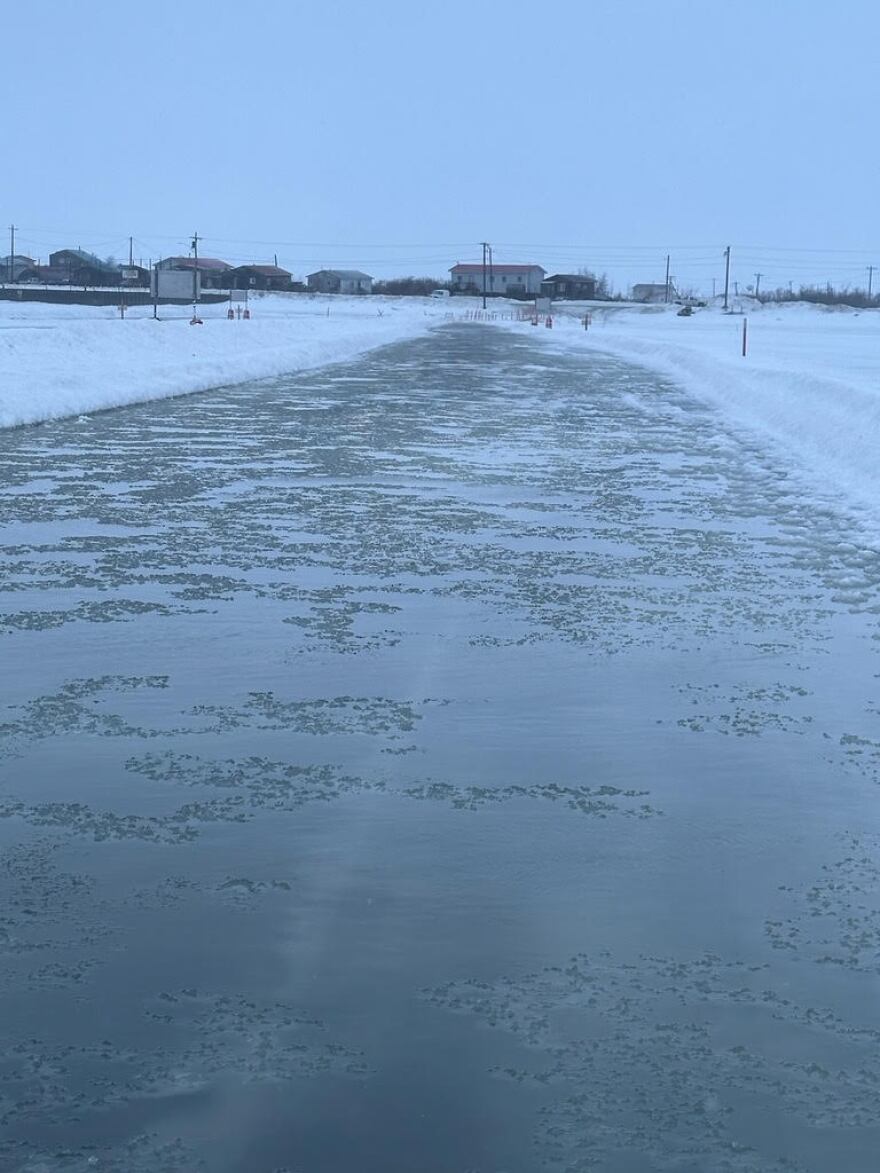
point(745, 336)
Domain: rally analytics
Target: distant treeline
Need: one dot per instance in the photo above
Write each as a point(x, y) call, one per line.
point(410, 286)
point(823, 295)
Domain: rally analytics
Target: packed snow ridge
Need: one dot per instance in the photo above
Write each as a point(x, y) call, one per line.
point(809, 384)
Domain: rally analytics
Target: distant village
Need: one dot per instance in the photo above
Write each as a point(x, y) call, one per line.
point(74, 269)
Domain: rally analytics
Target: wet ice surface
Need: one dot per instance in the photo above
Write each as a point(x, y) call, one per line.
point(464, 760)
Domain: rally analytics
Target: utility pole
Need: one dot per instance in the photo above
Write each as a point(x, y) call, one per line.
point(11, 251)
point(485, 266)
point(130, 252)
point(713, 288)
point(195, 249)
point(196, 320)
point(870, 280)
point(736, 289)
point(758, 277)
point(666, 292)
point(726, 275)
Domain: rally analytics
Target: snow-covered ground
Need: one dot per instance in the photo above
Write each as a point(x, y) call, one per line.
point(810, 381)
point(66, 360)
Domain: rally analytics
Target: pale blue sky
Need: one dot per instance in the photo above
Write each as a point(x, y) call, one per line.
point(393, 136)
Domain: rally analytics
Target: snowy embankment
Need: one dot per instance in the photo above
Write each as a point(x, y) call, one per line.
point(65, 360)
point(810, 381)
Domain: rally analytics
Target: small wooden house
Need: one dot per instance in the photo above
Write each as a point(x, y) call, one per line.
point(570, 286)
point(269, 277)
point(74, 266)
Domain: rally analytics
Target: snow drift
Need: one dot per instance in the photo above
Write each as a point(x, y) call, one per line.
point(810, 383)
point(65, 360)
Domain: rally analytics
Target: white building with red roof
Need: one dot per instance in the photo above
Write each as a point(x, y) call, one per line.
point(514, 280)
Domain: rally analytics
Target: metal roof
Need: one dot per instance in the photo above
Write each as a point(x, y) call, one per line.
point(478, 268)
point(82, 255)
point(572, 277)
point(346, 274)
point(264, 270)
point(190, 263)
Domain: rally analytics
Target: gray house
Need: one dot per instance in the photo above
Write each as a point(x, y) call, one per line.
point(11, 268)
point(655, 291)
point(340, 281)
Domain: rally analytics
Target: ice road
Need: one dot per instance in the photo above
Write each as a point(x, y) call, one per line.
point(463, 759)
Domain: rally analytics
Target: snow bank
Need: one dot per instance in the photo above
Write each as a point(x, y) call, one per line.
point(810, 382)
point(66, 360)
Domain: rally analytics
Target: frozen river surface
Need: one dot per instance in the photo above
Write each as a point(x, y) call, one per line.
point(461, 761)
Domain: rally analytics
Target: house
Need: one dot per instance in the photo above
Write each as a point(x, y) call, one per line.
point(44, 275)
point(259, 277)
point(74, 266)
point(213, 273)
point(340, 281)
point(653, 292)
point(574, 286)
point(12, 267)
point(501, 280)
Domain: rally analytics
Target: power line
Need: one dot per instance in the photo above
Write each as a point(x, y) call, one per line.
point(778, 265)
point(604, 247)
